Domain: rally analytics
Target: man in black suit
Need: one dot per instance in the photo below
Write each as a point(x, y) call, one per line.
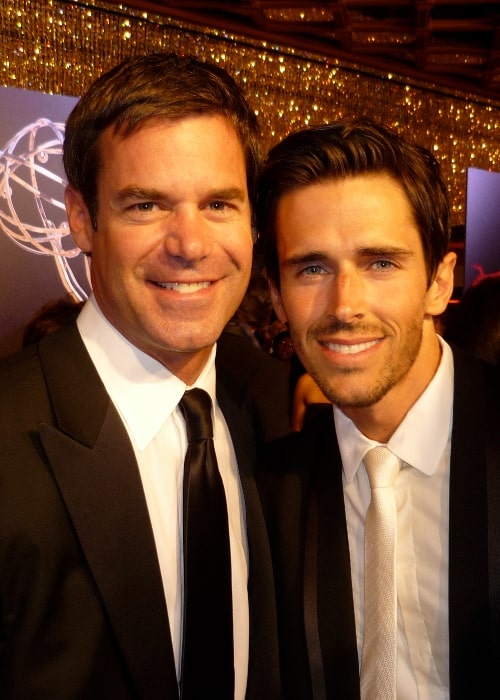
point(161, 156)
point(353, 221)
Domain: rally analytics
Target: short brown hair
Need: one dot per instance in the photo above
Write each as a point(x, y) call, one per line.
point(347, 148)
point(160, 85)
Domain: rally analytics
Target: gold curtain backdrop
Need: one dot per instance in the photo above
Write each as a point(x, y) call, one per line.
point(60, 47)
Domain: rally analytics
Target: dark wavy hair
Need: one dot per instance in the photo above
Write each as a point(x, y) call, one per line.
point(347, 148)
point(160, 85)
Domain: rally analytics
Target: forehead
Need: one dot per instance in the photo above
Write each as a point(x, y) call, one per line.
point(209, 122)
point(196, 145)
point(349, 213)
point(364, 186)
point(370, 199)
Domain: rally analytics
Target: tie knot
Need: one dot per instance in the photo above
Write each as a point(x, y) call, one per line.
point(196, 407)
point(382, 467)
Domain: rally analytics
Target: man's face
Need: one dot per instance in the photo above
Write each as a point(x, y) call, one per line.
point(172, 252)
point(354, 291)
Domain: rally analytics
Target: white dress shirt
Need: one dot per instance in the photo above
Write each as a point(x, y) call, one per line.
point(423, 443)
point(146, 395)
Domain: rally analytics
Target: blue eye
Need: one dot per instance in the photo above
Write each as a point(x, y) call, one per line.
point(312, 270)
point(218, 205)
point(383, 264)
point(145, 206)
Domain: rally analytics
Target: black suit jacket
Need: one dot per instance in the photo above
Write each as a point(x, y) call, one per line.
point(301, 485)
point(82, 611)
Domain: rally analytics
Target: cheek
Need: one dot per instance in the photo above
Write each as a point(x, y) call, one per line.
point(299, 315)
point(122, 249)
point(305, 305)
point(403, 318)
point(109, 259)
point(235, 250)
point(242, 248)
point(113, 265)
point(246, 256)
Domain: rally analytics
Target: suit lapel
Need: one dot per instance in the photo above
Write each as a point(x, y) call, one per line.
point(328, 570)
point(468, 538)
point(263, 678)
point(96, 472)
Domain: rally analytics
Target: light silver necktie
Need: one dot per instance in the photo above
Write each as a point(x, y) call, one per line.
point(379, 659)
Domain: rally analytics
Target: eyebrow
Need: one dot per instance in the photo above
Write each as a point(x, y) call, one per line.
point(132, 192)
point(149, 193)
point(313, 256)
point(230, 193)
point(398, 251)
point(366, 252)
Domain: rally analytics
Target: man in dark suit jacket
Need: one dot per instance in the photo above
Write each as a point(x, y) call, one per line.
point(161, 156)
point(353, 221)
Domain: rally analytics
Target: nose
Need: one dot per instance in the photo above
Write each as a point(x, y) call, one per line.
point(187, 237)
point(347, 297)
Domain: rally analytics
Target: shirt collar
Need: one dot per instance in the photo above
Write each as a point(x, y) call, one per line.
point(144, 391)
point(421, 437)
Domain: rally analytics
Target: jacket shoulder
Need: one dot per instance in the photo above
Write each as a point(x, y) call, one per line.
point(253, 379)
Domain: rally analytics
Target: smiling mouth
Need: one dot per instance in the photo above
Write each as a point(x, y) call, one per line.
point(183, 287)
point(350, 349)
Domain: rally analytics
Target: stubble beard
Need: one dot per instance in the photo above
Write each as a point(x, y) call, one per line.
point(354, 396)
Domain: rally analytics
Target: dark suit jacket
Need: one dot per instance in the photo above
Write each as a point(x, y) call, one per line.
point(302, 492)
point(82, 607)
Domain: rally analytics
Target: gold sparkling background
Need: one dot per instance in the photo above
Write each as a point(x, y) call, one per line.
point(60, 47)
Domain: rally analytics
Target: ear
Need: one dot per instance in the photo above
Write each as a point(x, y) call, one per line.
point(441, 288)
point(277, 303)
point(79, 219)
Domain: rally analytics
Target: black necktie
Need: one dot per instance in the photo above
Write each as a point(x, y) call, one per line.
point(207, 654)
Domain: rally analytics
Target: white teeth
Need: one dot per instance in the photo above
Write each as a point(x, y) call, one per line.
point(351, 349)
point(184, 287)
